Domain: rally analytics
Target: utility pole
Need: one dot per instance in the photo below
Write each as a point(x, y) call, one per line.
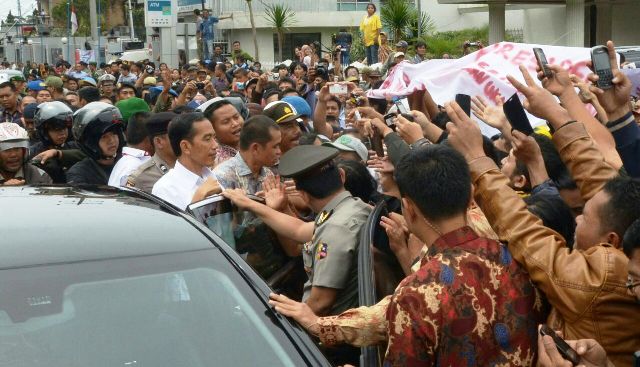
point(133, 36)
point(20, 32)
point(419, 17)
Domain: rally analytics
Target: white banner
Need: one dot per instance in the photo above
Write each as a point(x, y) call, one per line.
point(483, 72)
point(85, 55)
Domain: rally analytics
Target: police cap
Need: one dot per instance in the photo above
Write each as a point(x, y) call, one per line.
point(158, 123)
point(304, 158)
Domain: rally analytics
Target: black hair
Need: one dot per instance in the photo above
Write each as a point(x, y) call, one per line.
point(631, 239)
point(183, 109)
point(212, 108)
point(125, 67)
point(623, 207)
point(348, 68)
point(8, 84)
point(336, 100)
point(555, 214)
point(222, 66)
point(420, 43)
point(308, 138)
point(374, 7)
point(321, 182)
point(283, 93)
point(257, 129)
point(281, 67)
point(293, 65)
point(380, 105)
point(181, 128)
point(89, 94)
point(236, 41)
point(552, 161)
point(137, 127)
point(357, 180)
point(286, 80)
point(437, 179)
point(196, 11)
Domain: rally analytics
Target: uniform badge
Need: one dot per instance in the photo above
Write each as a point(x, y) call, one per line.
point(130, 183)
point(323, 217)
point(321, 251)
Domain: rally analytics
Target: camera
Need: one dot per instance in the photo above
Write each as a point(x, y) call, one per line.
point(472, 44)
point(150, 69)
point(200, 85)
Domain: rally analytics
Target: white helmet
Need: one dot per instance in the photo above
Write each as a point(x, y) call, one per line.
point(12, 136)
point(106, 78)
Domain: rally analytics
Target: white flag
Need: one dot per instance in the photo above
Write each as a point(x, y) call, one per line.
point(74, 20)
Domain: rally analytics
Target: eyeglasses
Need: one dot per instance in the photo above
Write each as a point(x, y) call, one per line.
point(631, 284)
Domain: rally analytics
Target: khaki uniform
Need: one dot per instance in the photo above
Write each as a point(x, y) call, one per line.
point(148, 174)
point(331, 258)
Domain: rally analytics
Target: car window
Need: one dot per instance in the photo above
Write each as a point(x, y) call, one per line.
point(181, 309)
point(244, 232)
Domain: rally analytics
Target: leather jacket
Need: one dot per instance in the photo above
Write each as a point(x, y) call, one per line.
point(585, 288)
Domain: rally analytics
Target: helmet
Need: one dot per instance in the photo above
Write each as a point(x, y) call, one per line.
point(107, 78)
point(91, 122)
point(49, 115)
point(12, 136)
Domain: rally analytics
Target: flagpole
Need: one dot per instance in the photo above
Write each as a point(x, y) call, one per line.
point(99, 35)
point(76, 31)
point(68, 30)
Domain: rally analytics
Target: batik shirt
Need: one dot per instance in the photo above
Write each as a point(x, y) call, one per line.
point(469, 304)
point(224, 152)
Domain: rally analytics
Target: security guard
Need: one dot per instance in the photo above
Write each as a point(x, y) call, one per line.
point(149, 172)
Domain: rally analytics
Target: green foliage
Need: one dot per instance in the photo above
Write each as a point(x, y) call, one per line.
point(61, 19)
point(10, 18)
point(397, 16)
point(281, 17)
point(357, 47)
point(451, 42)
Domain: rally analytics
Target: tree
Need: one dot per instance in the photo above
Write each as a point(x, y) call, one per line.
point(253, 30)
point(10, 18)
point(397, 16)
point(60, 17)
point(281, 18)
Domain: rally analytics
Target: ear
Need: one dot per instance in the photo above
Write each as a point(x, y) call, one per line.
point(519, 181)
point(342, 175)
point(614, 240)
point(185, 147)
point(408, 210)
point(254, 148)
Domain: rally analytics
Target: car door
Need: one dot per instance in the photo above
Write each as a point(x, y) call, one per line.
point(378, 270)
point(256, 245)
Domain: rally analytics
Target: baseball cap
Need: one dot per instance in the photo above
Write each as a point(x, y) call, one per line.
point(398, 54)
point(53, 81)
point(402, 44)
point(87, 80)
point(36, 85)
point(299, 104)
point(348, 143)
point(281, 112)
point(30, 111)
point(149, 81)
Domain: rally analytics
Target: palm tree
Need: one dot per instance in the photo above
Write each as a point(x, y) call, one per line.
point(281, 18)
point(396, 16)
point(253, 30)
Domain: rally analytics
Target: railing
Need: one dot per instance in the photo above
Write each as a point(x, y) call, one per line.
point(227, 6)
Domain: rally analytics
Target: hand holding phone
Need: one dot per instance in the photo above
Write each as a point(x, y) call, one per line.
point(464, 101)
point(602, 66)
point(516, 115)
point(338, 89)
point(565, 350)
point(542, 62)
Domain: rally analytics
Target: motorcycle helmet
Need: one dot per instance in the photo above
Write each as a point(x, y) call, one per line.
point(91, 122)
point(13, 136)
point(51, 115)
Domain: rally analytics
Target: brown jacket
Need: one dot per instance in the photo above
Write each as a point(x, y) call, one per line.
point(586, 288)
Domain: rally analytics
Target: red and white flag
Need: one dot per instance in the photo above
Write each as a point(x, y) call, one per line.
point(74, 20)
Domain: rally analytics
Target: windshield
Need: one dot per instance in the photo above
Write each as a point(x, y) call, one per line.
point(181, 309)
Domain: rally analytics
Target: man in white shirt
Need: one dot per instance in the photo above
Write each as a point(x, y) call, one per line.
point(193, 140)
point(137, 151)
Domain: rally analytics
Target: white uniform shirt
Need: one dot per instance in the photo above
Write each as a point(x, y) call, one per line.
point(131, 159)
point(179, 185)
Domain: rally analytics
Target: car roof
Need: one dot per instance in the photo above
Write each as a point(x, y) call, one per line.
point(45, 225)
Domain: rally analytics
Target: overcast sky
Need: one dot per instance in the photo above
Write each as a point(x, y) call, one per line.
point(12, 5)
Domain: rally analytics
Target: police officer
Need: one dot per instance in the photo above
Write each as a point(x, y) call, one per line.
point(164, 158)
point(14, 169)
point(331, 242)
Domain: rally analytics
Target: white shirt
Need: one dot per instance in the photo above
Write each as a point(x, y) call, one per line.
point(179, 185)
point(131, 159)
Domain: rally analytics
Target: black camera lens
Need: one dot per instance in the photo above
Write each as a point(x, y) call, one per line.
point(200, 85)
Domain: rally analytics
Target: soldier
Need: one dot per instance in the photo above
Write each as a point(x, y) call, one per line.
point(164, 158)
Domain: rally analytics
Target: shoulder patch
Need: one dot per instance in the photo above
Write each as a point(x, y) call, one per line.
point(323, 217)
point(131, 182)
point(321, 251)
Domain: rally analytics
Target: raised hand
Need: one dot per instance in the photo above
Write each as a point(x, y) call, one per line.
point(464, 133)
point(491, 115)
point(615, 101)
point(275, 194)
point(409, 131)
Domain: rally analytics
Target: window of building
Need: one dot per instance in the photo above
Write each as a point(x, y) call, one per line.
point(291, 41)
point(353, 5)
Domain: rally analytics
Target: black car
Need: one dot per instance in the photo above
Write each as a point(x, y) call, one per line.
point(108, 277)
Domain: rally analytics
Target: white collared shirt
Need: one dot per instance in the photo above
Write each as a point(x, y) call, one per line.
point(179, 185)
point(131, 159)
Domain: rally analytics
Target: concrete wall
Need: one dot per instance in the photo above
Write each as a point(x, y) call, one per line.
point(626, 24)
point(448, 17)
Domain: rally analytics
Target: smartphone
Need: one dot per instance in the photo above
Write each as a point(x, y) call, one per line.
point(602, 66)
point(542, 62)
point(516, 115)
point(408, 116)
point(337, 89)
point(464, 101)
point(400, 106)
point(356, 115)
point(565, 350)
point(388, 119)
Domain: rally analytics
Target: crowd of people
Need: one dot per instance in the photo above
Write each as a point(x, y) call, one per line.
point(491, 236)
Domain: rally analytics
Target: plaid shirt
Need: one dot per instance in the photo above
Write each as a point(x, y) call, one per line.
point(7, 116)
point(469, 304)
